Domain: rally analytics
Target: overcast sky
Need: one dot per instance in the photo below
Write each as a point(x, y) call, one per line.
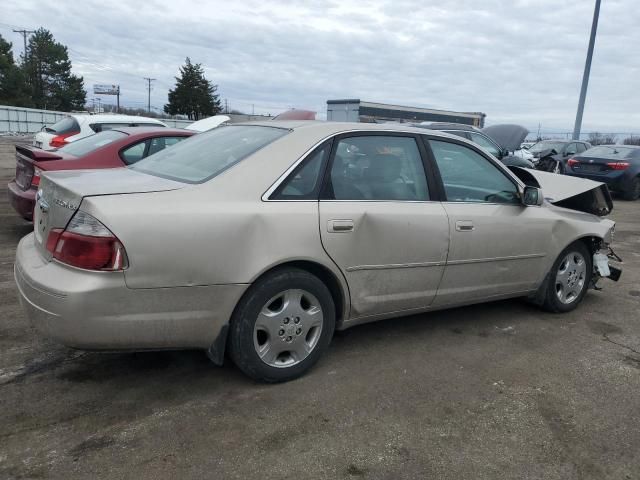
point(517, 61)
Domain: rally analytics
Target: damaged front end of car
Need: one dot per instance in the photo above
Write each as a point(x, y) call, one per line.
point(586, 196)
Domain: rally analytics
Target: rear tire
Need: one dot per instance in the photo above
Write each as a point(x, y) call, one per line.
point(634, 192)
point(569, 279)
point(281, 326)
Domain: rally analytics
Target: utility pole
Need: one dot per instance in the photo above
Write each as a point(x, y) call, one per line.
point(585, 76)
point(24, 34)
point(149, 80)
point(118, 100)
point(226, 106)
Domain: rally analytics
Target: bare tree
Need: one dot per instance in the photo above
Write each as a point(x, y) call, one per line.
point(632, 140)
point(596, 138)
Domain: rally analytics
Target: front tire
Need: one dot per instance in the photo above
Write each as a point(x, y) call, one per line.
point(569, 279)
point(282, 326)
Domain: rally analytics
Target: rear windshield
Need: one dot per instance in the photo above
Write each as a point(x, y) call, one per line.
point(66, 125)
point(92, 142)
point(612, 152)
point(208, 154)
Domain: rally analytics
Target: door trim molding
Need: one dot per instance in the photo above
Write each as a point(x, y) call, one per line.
point(496, 259)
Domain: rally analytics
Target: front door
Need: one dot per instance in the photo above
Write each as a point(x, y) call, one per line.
point(379, 225)
point(497, 243)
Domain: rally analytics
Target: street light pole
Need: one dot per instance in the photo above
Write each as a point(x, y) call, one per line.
point(585, 75)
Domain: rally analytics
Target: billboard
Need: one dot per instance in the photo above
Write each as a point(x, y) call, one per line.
point(102, 89)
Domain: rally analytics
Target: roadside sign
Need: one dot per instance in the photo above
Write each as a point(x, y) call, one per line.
point(102, 89)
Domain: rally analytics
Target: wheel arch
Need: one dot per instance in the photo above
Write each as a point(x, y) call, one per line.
point(338, 290)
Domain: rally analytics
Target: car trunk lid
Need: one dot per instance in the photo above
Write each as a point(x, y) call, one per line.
point(26, 158)
point(569, 192)
point(61, 193)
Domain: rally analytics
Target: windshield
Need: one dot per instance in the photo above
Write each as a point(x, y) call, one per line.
point(206, 155)
point(613, 152)
point(546, 145)
point(92, 142)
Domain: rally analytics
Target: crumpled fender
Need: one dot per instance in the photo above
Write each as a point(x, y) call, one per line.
point(565, 191)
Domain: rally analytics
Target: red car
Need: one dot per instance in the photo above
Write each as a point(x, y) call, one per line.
point(114, 148)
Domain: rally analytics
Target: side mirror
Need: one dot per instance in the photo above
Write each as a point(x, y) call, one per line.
point(532, 196)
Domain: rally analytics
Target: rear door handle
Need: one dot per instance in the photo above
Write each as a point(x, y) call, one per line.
point(340, 226)
point(465, 226)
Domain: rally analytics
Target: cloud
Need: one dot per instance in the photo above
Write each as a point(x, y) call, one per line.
point(516, 61)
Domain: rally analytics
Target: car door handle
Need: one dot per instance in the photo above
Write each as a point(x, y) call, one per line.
point(465, 226)
point(340, 226)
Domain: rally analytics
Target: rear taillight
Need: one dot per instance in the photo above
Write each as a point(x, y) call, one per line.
point(35, 180)
point(572, 162)
point(87, 243)
point(61, 140)
point(618, 165)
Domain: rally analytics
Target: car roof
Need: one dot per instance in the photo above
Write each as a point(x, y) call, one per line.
point(144, 131)
point(448, 126)
point(559, 140)
point(109, 118)
point(618, 145)
point(325, 128)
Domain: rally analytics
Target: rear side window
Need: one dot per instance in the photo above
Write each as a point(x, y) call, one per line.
point(208, 154)
point(377, 168)
point(92, 142)
point(134, 153)
point(66, 125)
point(304, 182)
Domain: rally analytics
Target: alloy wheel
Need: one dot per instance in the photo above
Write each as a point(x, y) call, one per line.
point(571, 277)
point(288, 328)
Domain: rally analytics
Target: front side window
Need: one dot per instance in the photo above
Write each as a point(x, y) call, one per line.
point(485, 143)
point(469, 177)
point(377, 168)
point(210, 153)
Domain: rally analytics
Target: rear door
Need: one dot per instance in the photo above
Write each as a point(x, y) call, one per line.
point(379, 224)
point(497, 243)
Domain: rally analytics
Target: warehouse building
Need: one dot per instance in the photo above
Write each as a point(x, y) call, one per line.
point(356, 110)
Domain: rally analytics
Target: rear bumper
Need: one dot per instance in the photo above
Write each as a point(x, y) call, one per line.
point(22, 201)
point(96, 310)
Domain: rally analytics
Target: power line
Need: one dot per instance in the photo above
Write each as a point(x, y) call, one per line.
point(149, 80)
point(24, 34)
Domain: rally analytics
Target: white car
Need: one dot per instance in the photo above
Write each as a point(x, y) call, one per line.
point(79, 125)
point(208, 123)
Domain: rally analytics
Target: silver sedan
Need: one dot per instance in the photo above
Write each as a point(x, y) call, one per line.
point(259, 240)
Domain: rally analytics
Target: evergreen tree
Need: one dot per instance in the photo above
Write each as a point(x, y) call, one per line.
point(193, 95)
point(48, 71)
point(13, 87)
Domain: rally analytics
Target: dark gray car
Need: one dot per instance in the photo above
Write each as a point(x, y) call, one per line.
point(556, 153)
point(513, 135)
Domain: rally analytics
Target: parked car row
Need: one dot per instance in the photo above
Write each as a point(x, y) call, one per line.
point(79, 125)
point(112, 148)
point(259, 240)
